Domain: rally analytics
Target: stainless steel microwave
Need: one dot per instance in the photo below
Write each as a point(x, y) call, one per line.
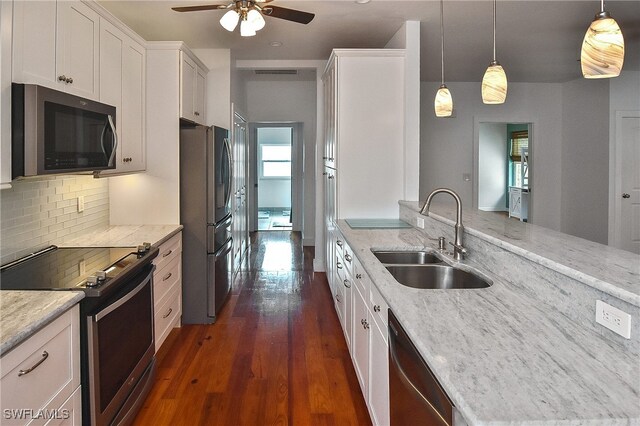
point(56, 133)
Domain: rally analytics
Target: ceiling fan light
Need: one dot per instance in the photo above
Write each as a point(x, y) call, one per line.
point(443, 103)
point(602, 54)
point(229, 20)
point(246, 29)
point(494, 84)
point(256, 19)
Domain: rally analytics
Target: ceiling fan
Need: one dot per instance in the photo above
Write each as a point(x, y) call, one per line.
point(250, 14)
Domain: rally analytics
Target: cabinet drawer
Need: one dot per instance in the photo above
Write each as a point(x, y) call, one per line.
point(168, 251)
point(165, 279)
point(70, 413)
point(167, 315)
point(43, 371)
point(378, 307)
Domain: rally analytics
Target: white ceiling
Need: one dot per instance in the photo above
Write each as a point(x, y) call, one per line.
point(537, 41)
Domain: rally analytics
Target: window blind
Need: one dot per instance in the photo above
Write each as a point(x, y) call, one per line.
point(519, 140)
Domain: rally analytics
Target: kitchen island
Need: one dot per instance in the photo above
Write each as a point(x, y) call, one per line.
point(525, 350)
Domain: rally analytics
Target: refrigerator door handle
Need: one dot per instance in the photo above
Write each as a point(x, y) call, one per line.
point(228, 148)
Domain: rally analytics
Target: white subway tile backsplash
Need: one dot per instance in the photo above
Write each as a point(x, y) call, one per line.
point(39, 212)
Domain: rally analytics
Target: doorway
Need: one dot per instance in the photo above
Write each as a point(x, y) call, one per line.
point(503, 169)
point(276, 176)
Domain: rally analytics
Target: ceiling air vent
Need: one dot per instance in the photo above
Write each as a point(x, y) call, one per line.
point(276, 72)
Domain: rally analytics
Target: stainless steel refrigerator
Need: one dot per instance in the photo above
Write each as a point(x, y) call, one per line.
point(206, 168)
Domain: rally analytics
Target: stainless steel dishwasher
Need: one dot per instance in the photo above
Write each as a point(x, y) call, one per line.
point(415, 396)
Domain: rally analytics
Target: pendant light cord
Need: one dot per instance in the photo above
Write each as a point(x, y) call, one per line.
point(494, 30)
point(601, 6)
point(442, 40)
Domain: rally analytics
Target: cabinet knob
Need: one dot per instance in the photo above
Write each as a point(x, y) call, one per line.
point(62, 78)
point(346, 284)
point(347, 257)
point(69, 80)
point(625, 195)
point(376, 308)
point(197, 114)
point(359, 276)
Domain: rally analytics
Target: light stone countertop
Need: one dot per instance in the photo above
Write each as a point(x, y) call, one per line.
point(501, 358)
point(125, 236)
point(614, 271)
point(23, 313)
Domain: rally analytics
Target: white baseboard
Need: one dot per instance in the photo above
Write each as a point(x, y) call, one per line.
point(318, 265)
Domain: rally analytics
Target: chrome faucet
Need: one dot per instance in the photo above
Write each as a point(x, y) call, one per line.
point(458, 249)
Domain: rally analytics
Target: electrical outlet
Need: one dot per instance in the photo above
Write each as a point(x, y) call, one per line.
point(80, 203)
point(614, 319)
point(420, 222)
point(82, 267)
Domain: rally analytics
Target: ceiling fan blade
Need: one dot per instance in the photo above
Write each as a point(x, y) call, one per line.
point(288, 14)
point(197, 8)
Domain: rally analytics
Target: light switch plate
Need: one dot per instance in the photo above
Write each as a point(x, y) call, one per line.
point(420, 222)
point(80, 203)
point(614, 319)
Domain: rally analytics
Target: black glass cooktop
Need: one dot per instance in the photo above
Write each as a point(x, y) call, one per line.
point(66, 268)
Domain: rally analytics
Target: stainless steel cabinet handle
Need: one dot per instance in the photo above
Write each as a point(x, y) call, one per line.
point(167, 253)
point(346, 284)
point(338, 299)
point(339, 265)
point(359, 276)
point(348, 258)
point(330, 176)
point(115, 140)
point(376, 308)
point(625, 195)
point(166, 277)
point(45, 355)
point(168, 313)
point(339, 243)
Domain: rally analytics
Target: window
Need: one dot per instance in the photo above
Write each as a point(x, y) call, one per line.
point(275, 161)
point(518, 158)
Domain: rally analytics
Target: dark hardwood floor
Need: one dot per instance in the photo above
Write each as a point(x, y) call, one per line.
point(275, 356)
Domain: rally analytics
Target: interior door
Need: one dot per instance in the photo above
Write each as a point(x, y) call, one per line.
point(629, 196)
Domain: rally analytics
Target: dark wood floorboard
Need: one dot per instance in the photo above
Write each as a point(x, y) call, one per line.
point(275, 356)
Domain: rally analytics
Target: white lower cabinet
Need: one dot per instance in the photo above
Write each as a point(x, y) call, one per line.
point(167, 288)
point(363, 316)
point(43, 375)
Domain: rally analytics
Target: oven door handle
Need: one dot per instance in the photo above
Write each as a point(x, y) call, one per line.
point(106, 311)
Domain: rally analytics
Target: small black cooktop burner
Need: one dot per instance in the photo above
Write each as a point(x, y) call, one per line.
point(67, 268)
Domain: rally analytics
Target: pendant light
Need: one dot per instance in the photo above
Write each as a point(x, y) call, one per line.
point(443, 103)
point(494, 82)
point(602, 53)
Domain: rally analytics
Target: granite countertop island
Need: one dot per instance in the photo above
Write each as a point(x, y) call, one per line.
point(23, 313)
point(502, 357)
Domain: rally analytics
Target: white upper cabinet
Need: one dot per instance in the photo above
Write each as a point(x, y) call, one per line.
point(56, 44)
point(192, 89)
point(77, 48)
point(122, 84)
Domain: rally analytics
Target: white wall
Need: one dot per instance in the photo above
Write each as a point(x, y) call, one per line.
point(218, 96)
point(446, 150)
point(290, 100)
point(274, 192)
point(492, 173)
point(585, 159)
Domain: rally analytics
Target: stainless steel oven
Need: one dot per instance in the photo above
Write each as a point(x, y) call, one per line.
point(55, 132)
point(120, 351)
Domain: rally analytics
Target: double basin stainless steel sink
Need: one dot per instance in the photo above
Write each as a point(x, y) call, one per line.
point(421, 269)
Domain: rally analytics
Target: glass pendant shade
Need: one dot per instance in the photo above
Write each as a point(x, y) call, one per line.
point(444, 102)
point(494, 84)
point(255, 18)
point(246, 29)
point(602, 53)
point(230, 20)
